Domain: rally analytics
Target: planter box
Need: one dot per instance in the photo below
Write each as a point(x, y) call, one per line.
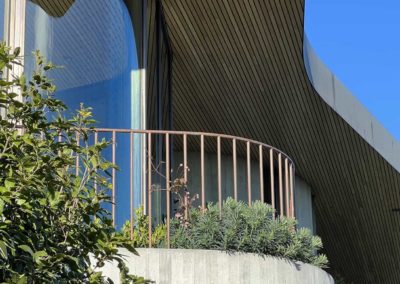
point(209, 266)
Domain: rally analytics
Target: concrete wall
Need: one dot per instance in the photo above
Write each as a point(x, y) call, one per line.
point(206, 266)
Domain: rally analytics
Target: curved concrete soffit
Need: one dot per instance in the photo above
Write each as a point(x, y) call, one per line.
point(337, 96)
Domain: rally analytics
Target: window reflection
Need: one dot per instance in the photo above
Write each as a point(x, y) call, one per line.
point(54, 9)
point(94, 42)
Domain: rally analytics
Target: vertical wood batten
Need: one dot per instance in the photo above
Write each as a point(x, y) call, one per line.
point(149, 162)
point(281, 209)
point(203, 191)
point(114, 141)
point(167, 177)
point(234, 161)
point(248, 172)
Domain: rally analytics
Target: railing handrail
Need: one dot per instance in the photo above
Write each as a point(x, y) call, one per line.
point(278, 166)
point(195, 133)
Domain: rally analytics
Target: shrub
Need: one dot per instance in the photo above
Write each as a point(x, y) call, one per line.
point(140, 234)
point(51, 219)
point(247, 229)
point(241, 229)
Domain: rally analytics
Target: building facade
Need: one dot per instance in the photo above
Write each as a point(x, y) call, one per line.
point(188, 69)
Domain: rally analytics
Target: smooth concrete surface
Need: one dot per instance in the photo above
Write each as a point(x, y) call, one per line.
point(303, 205)
point(180, 266)
point(336, 95)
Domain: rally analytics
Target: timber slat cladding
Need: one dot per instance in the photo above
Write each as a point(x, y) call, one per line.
point(238, 69)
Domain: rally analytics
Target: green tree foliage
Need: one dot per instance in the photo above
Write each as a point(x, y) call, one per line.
point(53, 226)
point(246, 229)
point(140, 234)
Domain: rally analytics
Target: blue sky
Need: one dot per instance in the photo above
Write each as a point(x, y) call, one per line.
point(359, 40)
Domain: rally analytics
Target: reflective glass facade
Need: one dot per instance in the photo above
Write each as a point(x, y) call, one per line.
point(94, 42)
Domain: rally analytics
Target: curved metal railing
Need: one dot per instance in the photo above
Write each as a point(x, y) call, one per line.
point(274, 170)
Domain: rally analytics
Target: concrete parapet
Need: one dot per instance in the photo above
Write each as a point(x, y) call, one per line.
point(188, 266)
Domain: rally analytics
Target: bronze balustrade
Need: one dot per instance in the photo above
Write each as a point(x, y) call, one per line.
point(268, 157)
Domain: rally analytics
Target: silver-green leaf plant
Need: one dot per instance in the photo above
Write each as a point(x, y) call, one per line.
point(241, 228)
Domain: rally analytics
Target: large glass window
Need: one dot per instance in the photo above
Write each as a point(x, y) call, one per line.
point(94, 42)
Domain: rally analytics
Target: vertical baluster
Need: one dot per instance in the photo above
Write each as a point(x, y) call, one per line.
point(203, 192)
point(271, 169)
point(167, 181)
point(248, 173)
point(219, 175)
point(235, 193)
point(131, 173)
point(114, 142)
point(185, 164)
point(280, 184)
point(185, 173)
point(292, 177)
point(143, 171)
point(77, 135)
point(287, 187)
point(260, 158)
point(96, 139)
point(149, 172)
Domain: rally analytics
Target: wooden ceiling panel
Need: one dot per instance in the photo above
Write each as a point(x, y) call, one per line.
point(238, 69)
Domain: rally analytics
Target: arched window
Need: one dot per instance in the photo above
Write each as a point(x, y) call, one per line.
point(94, 42)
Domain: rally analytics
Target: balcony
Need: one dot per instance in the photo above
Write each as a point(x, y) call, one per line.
point(214, 167)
